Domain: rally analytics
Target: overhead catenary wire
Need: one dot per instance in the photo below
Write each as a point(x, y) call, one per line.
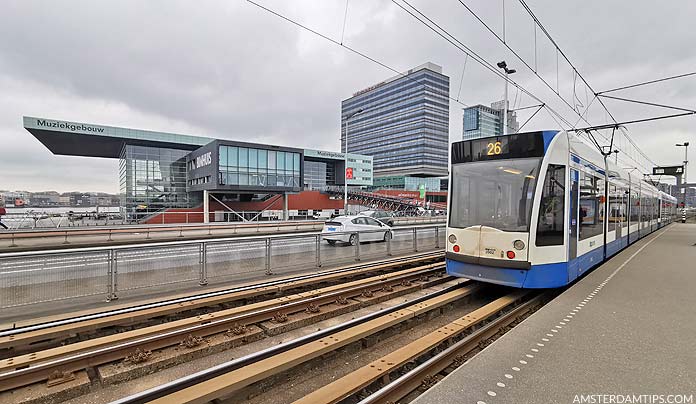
point(517, 55)
point(461, 81)
point(559, 50)
point(546, 83)
point(653, 104)
point(530, 118)
point(678, 76)
point(621, 124)
point(465, 49)
point(556, 116)
point(527, 107)
point(345, 18)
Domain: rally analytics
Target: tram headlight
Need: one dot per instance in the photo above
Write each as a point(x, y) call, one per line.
point(452, 238)
point(518, 244)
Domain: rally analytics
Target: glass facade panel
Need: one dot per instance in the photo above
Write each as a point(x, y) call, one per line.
point(259, 167)
point(263, 159)
point(152, 179)
point(271, 160)
point(243, 157)
point(223, 156)
point(288, 162)
point(253, 158)
point(280, 160)
point(233, 154)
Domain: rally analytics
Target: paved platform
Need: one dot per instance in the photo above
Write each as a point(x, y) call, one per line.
point(628, 328)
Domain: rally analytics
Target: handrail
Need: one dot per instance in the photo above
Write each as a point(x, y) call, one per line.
point(197, 241)
point(159, 228)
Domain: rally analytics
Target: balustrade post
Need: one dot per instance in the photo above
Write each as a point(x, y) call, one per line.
point(268, 256)
point(318, 247)
point(357, 246)
point(203, 260)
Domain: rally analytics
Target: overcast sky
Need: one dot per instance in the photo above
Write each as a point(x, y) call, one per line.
point(230, 70)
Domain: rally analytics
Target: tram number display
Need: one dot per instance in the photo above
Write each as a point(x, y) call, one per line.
point(494, 148)
point(517, 145)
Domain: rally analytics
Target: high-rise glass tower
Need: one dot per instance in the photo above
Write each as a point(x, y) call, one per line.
point(482, 121)
point(404, 123)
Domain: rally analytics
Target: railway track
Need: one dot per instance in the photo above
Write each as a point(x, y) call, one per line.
point(431, 356)
point(43, 333)
point(222, 382)
point(60, 363)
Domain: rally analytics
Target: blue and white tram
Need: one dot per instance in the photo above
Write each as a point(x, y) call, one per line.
point(538, 210)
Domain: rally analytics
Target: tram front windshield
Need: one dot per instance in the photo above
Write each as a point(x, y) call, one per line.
point(494, 193)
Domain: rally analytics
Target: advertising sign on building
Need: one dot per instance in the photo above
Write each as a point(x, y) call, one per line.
point(349, 173)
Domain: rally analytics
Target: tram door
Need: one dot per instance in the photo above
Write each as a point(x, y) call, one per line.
point(573, 264)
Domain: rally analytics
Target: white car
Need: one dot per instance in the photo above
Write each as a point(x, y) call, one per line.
point(343, 228)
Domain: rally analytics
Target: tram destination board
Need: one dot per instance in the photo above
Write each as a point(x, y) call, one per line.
point(498, 148)
point(671, 170)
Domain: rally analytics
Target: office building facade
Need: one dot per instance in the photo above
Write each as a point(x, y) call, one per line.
point(160, 171)
point(404, 123)
point(481, 121)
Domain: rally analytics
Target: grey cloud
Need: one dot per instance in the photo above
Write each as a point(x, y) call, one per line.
point(229, 70)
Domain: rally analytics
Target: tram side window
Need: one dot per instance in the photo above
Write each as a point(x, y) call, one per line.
point(616, 207)
point(591, 206)
point(635, 207)
point(644, 209)
point(552, 207)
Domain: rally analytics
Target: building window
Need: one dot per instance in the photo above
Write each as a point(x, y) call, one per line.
point(259, 167)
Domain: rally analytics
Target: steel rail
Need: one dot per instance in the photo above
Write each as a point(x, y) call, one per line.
point(178, 301)
point(411, 380)
point(36, 366)
point(221, 369)
point(359, 379)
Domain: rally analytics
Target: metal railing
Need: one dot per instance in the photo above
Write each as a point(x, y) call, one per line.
point(14, 238)
point(31, 277)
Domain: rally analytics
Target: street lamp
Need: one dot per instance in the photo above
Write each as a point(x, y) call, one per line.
point(685, 145)
point(345, 163)
point(508, 72)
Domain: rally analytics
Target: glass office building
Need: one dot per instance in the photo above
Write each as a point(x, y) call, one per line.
point(404, 124)
point(481, 121)
point(160, 171)
point(407, 183)
point(325, 169)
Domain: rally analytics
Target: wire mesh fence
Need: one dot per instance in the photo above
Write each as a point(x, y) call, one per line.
point(27, 278)
point(43, 278)
point(154, 266)
point(236, 258)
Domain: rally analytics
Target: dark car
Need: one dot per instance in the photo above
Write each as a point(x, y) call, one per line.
point(380, 215)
